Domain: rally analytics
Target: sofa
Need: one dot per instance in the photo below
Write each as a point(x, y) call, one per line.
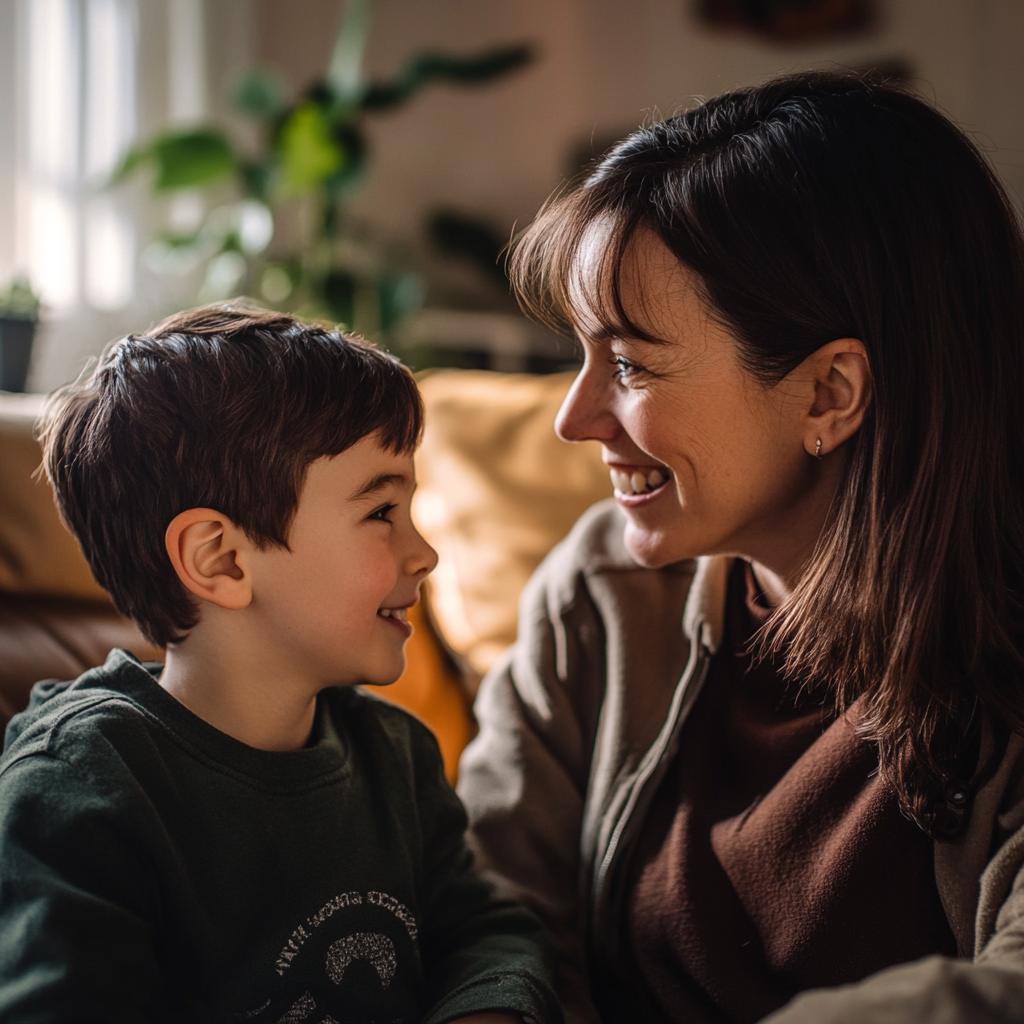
point(497, 490)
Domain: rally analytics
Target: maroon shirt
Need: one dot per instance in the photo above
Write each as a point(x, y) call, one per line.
point(774, 858)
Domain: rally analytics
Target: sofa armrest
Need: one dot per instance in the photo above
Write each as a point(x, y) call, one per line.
point(57, 638)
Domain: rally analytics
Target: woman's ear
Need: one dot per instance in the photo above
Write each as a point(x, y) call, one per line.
point(210, 555)
point(841, 376)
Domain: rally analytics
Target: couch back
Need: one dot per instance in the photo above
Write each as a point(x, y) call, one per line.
point(497, 490)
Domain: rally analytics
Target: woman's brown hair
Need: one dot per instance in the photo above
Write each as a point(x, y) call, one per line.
point(822, 206)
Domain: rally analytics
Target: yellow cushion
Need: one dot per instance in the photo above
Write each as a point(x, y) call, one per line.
point(497, 490)
point(37, 554)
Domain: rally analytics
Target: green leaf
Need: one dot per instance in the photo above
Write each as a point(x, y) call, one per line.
point(130, 163)
point(338, 293)
point(260, 93)
point(399, 295)
point(309, 152)
point(190, 159)
point(429, 67)
point(256, 178)
point(345, 74)
point(175, 240)
point(18, 301)
point(353, 145)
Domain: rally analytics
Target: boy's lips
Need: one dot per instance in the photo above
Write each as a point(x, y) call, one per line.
point(397, 617)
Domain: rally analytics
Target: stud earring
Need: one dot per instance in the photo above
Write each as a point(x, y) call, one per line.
point(817, 448)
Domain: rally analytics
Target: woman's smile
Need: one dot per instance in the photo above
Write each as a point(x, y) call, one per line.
point(636, 484)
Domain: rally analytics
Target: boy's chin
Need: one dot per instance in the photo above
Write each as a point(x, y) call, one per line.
point(385, 677)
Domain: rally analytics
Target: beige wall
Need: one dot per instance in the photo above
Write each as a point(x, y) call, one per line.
point(604, 65)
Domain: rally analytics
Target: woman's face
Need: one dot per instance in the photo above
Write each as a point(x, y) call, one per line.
point(704, 458)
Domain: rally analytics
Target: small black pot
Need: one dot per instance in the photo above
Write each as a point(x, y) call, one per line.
point(15, 352)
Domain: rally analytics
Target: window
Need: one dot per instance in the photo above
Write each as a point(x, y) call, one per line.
point(75, 240)
point(82, 80)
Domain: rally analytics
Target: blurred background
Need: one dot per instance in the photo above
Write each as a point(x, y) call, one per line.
point(365, 162)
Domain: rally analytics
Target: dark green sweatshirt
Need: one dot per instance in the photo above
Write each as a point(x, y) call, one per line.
point(153, 868)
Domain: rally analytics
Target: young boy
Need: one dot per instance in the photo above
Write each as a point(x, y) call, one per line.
point(245, 835)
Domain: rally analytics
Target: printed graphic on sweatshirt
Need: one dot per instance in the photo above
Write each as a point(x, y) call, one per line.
point(355, 961)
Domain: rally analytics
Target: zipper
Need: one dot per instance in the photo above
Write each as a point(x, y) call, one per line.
point(658, 758)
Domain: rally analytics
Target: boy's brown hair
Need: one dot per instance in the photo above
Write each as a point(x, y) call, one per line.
point(220, 407)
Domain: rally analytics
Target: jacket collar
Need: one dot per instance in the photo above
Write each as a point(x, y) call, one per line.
point(704, 614)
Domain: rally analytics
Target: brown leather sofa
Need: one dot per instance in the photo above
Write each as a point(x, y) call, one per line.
point(55, 621)
point(55, 638)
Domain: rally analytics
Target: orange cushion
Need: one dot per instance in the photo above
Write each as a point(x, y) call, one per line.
point(430, 687)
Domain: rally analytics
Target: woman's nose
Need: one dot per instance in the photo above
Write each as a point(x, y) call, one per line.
point(584, 415)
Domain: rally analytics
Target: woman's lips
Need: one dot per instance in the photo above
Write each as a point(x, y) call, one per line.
point(635, 484)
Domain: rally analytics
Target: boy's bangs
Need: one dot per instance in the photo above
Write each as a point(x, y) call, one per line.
point(398, 422)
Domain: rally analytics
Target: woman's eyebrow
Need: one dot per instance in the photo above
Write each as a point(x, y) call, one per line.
point(601, 336)
point(606, 335)
point(379, 482)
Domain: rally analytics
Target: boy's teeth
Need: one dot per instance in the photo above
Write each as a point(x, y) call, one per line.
point(637, 482)
point(402, 614)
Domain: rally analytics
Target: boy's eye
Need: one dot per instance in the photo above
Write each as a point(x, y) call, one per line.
point(383, 513)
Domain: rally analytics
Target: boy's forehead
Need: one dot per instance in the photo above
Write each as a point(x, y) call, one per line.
point(362, 470)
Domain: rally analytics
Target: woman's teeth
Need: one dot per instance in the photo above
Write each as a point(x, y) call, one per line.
point(637, 482)
point(402, 614)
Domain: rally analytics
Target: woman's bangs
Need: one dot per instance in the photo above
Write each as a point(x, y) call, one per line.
point(566, 267)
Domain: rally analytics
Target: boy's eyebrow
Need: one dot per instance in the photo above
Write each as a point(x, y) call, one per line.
point(378, 482)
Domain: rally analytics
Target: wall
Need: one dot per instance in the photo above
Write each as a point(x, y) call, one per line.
point(498, 151)
point(604, 66)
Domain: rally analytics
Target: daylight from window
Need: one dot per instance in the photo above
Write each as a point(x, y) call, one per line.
point(78, 85)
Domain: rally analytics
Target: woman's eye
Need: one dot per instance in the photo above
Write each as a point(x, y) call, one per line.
point(383, 513)
point(624, 368)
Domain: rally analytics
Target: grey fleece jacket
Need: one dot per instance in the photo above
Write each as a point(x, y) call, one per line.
point(578, 723)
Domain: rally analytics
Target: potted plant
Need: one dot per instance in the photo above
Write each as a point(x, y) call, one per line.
point(19, 314)
point(310, 155)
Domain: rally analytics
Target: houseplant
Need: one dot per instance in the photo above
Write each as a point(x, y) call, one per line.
point(311, 154)
point(19, 314)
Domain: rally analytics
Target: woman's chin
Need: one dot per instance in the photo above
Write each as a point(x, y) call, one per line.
point(652, 549)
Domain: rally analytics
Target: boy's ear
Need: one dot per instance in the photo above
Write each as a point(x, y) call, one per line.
point(210, 555)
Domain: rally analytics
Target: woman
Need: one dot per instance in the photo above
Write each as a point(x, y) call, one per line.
point(761, 732)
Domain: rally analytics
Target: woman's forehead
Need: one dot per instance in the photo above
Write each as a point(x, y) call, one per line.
point(627, 287)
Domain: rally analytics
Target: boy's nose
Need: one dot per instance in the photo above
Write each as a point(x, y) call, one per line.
point(423, 560)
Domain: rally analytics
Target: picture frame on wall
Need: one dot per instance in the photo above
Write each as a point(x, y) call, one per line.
point(789, 20)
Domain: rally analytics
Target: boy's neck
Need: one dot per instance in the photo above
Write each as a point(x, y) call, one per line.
point(237, 689)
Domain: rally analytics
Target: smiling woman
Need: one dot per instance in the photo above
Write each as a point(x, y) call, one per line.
point(680, 416)
point(762, 729)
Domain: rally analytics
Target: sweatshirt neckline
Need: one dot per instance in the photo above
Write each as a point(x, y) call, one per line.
point(326, 754)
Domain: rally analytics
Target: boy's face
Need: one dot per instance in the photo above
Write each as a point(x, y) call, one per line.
point(334, 603)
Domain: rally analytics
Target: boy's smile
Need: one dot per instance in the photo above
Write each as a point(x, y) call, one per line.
point(334, 604)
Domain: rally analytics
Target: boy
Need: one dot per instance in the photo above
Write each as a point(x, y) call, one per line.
point(245, 836)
